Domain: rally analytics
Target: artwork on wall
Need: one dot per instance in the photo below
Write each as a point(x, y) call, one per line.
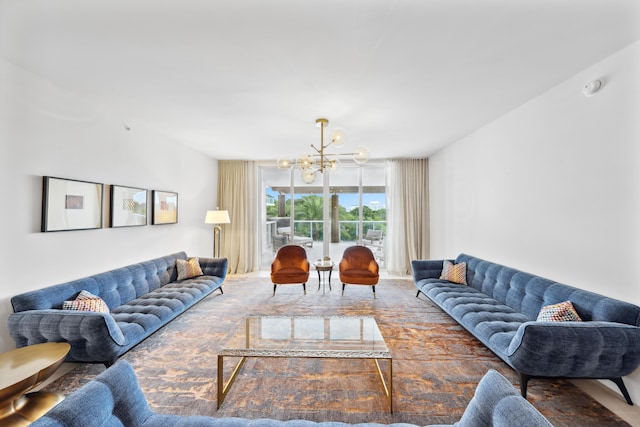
point(128, 206)
point(165, 207)
point(69, 204)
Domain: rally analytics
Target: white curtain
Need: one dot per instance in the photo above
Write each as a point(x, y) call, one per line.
point(237, 193)
point(408, 213)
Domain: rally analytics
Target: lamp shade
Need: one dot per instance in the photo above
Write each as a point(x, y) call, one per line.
point(217, 217)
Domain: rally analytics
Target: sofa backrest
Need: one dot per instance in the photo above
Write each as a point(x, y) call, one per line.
point(527, 293)
point(114, 398)
point(115, 287)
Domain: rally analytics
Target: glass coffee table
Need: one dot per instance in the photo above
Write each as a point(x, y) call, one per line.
point(332, 337)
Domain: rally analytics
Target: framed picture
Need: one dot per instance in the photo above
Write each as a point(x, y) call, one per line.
point(68, 204)
point(165, 207)
point(128, 206)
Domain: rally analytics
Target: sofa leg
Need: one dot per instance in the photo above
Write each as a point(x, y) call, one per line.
point(623, 389)
point(274, 289)
point(343, 285)
point(221, 291)
point(374, 290)
point(418, 293)
point(304, 288)
point(524, 380)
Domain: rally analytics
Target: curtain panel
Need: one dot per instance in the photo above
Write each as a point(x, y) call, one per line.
point(237, 193)
point(408, 214)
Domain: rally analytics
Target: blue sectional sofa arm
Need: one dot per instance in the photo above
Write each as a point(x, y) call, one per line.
point(114, 398)
point(141, 298)
point(500, 305)
point(575, 349)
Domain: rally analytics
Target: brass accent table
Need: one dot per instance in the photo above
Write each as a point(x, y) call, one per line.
point(324, 266)
point(22, 370)
point(332, 337)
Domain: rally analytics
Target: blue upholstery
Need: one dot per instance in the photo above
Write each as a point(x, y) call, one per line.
point(114, 398)
point(141, 297)
point(500, 306)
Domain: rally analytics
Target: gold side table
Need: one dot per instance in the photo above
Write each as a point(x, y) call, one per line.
point(22, 370)
point(324, 266)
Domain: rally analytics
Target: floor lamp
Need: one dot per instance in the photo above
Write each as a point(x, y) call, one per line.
point(217, 217)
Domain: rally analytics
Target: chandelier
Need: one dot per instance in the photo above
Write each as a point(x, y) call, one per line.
point(311, 164)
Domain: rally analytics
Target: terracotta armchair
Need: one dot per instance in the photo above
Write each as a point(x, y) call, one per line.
point(359, 267)
point(291, 266)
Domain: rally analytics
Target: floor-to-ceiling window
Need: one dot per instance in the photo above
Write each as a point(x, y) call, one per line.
point(293, 212)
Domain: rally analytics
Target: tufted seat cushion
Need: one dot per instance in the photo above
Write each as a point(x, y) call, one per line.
point(493, 323)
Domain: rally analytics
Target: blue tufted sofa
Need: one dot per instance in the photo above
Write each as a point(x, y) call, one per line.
point(114, 398)
point(141, 298)
point(500, 306)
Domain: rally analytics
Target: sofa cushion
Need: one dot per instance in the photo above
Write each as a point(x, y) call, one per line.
point(561, 312)
point(188, 268)
point(86, 301)
point(455, 273)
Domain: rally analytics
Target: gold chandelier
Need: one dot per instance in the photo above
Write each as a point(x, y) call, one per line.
point(311, 164)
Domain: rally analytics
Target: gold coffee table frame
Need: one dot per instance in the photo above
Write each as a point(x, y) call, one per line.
point(330, 337)
point(22, 370)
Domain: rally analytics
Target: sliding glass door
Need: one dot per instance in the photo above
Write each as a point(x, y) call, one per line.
point(352, 203)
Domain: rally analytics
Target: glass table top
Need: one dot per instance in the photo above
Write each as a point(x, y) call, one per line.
point(308, 336)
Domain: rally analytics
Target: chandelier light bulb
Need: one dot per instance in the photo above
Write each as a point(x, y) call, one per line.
point(361, 155)
point(305, 162)
point(308, 176)
point(333, 164)
point(338, 138)
point(285, 164)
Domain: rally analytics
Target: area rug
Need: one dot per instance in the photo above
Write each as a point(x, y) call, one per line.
point(436, 363)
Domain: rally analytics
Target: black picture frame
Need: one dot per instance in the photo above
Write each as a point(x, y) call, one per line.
point(165, 207)
point(70, 204)
point(128, 206)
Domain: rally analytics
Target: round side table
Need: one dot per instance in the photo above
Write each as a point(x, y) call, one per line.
point(323, 266)
point(22, 370)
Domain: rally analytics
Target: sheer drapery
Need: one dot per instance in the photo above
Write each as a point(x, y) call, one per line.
point(408, 213)
point(237, 193)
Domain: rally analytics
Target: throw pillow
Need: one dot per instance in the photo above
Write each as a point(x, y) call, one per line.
point(456, 273)
point(86, 301)
point(189, 268)
point(561, 312)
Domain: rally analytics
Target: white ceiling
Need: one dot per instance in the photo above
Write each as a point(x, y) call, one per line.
point(246, 79)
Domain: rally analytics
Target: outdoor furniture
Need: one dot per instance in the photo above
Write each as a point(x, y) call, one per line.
point(359, 267)
point(291, 266)
point(373, 237)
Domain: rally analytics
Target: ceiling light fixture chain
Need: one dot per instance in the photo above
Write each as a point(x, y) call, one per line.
point(311, 164)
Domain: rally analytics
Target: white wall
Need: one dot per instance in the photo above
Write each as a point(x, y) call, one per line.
point(46, 131)
point(552, 187)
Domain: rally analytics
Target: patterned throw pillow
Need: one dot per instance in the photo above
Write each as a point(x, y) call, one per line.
point(456, 273)
point(189, 268)
point(86, 301)
point(561, 312)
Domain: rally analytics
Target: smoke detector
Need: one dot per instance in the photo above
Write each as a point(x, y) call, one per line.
point(592, 87)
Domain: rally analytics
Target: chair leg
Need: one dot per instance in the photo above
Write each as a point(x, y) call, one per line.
point(304, 288)
point(374, 290)
point(274, 289)
point(343, 285)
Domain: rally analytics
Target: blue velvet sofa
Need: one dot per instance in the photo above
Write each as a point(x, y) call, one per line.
point(114, 398)
point(141, 299)
point(500, 307)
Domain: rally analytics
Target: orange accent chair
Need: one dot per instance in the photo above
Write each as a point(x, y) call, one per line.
point(291, 266)
point(359, 267)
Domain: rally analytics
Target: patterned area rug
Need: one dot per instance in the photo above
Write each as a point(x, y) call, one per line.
point(436, 363)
